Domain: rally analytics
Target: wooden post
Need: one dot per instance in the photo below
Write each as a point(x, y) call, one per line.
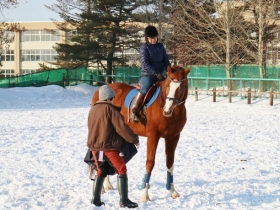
point(214, 94)
point(229, 95)
point(196, 94)
point(249, 96)
point(271, 97)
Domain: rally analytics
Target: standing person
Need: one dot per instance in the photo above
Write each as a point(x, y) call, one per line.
point(106, 132)
point(154, 60)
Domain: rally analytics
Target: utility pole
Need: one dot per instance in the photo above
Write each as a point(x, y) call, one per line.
point(160, 3)
point(228, 46)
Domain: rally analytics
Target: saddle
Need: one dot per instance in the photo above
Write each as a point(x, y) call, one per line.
point(150, 95)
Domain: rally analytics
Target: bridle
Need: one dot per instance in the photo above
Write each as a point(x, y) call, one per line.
point(180, 99)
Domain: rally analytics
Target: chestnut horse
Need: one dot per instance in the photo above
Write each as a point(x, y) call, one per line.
point(166, 117)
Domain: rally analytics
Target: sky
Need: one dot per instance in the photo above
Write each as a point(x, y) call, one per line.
point(227, 156)
point(31, 10)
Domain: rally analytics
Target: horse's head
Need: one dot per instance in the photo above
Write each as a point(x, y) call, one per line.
point(175, 88)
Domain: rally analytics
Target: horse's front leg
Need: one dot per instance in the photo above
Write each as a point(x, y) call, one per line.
point(170, 147)
point(152, 143)
point(170, 185)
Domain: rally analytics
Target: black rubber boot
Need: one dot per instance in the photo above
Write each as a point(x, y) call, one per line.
point(123, 191)
point(97, 187)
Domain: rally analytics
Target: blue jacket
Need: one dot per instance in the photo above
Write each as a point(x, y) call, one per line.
point(154, 59)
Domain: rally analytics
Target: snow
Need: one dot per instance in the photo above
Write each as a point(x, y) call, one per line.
point(227, 156)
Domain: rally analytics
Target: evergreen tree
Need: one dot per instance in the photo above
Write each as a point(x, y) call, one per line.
point(101, 28)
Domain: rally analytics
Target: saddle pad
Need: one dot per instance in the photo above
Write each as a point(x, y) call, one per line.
point(129, 99)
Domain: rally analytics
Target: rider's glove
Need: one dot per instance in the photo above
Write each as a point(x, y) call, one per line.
point(160, 77)
point(137, 145)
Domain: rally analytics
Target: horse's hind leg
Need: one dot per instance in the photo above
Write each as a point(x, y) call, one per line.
point(170, 146)
point(107, 184)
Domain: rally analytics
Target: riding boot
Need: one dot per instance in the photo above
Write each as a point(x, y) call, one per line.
point(123, 191)
point(135, 115)
point(97, 187)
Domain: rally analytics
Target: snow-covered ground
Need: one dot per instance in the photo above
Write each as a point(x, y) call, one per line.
point(227, 157)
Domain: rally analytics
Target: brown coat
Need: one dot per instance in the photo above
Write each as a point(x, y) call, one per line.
point(107, 128)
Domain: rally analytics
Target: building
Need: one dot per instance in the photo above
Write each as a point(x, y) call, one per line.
point(29, 48)
point(35, 45)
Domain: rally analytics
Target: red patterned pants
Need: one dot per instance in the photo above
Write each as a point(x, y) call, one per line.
point(104, 159)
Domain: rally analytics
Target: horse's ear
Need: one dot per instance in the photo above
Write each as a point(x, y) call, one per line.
point(188, 70)
point(169, 69)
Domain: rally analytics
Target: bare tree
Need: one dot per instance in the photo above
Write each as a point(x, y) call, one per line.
point(7, 4)
point(265, 15)
point(211, 32)
point(154, 12)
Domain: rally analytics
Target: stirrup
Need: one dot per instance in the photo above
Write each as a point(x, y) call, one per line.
point(139, 118)
point(134, 117)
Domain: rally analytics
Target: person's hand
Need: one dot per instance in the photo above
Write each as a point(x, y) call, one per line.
point(137, 145)
point(160, 77)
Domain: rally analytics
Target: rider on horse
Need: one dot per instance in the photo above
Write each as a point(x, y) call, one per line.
point(154, 60)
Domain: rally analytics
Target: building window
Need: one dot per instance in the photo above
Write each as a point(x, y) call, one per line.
point(42, 35)
point(273, 55)
point(130, 54)
point(48, 36)
point(276, 10)
point(38, 55)
point(7, 72)
point(7, 55)
point(27, 71)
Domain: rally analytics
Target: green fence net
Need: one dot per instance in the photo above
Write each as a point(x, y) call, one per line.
point(60, 77)
point(208, 77)
point(244, 71)
point(127, 74)
point(203, 77)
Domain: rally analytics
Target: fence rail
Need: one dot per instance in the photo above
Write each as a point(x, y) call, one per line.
point(249, 94)
point(238, 84)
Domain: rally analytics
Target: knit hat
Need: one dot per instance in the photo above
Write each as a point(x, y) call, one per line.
point(151, 31)
point(105, 92)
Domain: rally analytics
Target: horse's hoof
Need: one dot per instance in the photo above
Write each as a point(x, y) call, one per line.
point(175, 195)
point(145, 195)
point(145, 198)
point(109, 187)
